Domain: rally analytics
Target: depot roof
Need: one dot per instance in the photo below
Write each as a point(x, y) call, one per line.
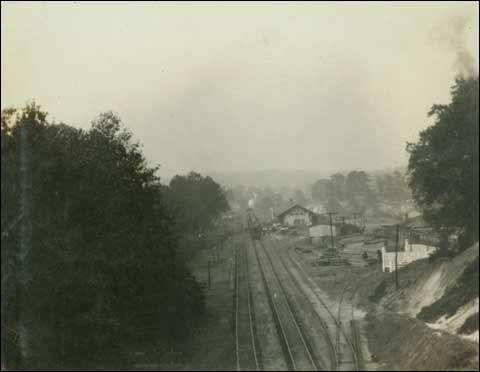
point(295, 207)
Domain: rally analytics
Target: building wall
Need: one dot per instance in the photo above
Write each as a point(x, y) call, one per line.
point(297, 217)
point(321, 230)
point(413, 252)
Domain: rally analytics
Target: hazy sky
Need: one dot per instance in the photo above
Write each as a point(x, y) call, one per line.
point(222, 86)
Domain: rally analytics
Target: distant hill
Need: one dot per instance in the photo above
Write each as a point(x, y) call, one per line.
point(275, 179)
point(278, 179)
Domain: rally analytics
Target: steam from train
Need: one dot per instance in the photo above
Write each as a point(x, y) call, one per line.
point(251, 202)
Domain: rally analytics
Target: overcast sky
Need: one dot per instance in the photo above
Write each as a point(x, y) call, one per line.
point(244, 86)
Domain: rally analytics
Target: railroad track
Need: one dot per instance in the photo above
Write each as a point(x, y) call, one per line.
point(245, 340)
point(351, 342)
point(291, 280)
point(296, 350)
point(355, 333)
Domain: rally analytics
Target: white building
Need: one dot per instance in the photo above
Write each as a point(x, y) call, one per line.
point(412, 252)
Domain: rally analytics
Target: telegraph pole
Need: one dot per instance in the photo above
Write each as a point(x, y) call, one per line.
point(209, 277)
point(331, 228)
point(397, 243)
point(397, 236)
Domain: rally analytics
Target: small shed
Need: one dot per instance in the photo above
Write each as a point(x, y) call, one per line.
point(320, 235)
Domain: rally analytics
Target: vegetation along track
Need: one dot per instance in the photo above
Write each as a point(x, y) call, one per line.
point(352, 345)
point(296, 350)
point(245, 340)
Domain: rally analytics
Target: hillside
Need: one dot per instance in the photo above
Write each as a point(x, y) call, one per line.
point(444, 293)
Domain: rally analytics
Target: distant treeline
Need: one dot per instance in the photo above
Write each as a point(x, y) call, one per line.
point(90, 265)
point(362, 193)
point(356, 193)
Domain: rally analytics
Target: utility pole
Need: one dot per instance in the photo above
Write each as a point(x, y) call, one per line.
point(331, 228)
point(397, 243)
point(397, 236)
point(209, 277)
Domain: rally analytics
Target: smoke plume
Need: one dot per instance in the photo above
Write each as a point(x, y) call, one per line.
point(452, 35)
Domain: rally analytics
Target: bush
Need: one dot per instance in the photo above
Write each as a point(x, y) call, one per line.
point(380, 292)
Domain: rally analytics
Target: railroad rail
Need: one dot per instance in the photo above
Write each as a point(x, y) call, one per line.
point(327, 336)
point(296, 349)
point(245, 340)
point(356, 337)
point(348, 274)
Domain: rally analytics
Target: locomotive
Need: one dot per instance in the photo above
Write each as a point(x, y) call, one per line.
point(253, 225)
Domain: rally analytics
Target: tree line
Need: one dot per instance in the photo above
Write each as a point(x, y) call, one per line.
point(356, 193)
point(90, 239)
point(360, 192)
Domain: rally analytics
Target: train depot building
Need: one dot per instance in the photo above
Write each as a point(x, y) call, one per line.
point(297, 216)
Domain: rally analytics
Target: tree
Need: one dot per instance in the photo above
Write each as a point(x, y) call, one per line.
point(358, 192)
point(321, 190)
point(393, 188)
point(299, 197)
point(338, 186)
point(197, 200)
point(330, 192)
point(94, 254)
point(443, 164)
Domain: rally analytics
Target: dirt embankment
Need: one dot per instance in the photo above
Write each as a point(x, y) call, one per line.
point(445, 294)
point(402, 343)
point(423, 283)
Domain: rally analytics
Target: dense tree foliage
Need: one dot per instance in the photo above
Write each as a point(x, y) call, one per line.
point(362, 193)
point(393, 188)
point(443, 164)
point(198, 201)
point(89, 269)
point(359, 194)
point(299, 197)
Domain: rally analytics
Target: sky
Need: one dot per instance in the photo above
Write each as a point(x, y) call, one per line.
point(252, 86)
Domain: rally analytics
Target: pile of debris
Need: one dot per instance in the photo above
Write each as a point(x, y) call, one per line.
point(330, 257)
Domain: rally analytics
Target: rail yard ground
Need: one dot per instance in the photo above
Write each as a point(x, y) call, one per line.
point(268, 308)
